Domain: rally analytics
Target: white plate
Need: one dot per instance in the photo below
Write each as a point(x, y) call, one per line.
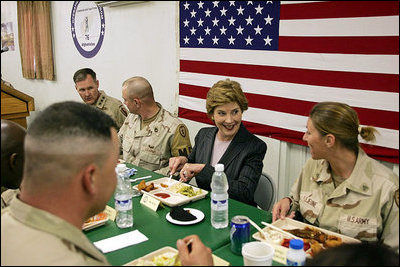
point(198, 213)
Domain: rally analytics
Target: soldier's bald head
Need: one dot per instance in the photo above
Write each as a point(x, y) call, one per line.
point(12, 153)
point(138, 87)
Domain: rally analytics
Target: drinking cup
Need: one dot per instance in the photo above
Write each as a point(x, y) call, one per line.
point(257, 254)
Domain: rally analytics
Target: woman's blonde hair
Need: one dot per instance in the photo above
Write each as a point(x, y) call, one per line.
point(224, 92)
point(342, 121)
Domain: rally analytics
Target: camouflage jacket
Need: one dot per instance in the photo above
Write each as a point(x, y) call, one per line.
point(365, 206)
point(151, 147)
point(112, 107)
point(30, 236)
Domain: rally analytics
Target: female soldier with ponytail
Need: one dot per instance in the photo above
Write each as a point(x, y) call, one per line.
point(341, 188)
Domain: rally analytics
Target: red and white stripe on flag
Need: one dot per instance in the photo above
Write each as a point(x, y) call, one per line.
point(344, 51)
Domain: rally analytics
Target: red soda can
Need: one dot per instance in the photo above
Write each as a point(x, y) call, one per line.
point(240, 233)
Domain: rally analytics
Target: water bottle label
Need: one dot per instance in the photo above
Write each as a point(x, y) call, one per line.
point(220, 204)
point(294, 263)
point(123, 205)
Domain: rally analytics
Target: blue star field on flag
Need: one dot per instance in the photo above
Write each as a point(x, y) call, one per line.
point(230, 24)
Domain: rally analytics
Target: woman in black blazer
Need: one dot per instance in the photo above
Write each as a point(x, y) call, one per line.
point(229, 143)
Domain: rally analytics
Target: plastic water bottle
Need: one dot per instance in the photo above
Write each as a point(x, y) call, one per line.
point(219, 198)
point(123, 199)
point(296, 255)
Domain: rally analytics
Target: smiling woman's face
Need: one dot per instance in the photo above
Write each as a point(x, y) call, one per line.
point(227, 118)
point(315, 141)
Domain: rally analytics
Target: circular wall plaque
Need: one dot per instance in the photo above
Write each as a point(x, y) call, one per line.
point(87, 27)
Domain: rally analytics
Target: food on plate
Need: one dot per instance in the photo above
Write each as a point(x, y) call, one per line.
point(150, 187)
point(316, 247)
point(309, 233)
point(95, 220)
point(333, 241)
point(98, 217)
point(164, 185)
point(178, 213)
point(185, 190)
point(273, 235)
point(285, 242)
point(317, 235)
point(317, 239)
point(142, 186)
point(162, 195)
point(175, 187)
point(165, 259)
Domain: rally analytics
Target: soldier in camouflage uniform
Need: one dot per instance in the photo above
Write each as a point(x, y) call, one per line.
point(69, 175)
point(341, 188)
point(150, 134)
point(88, 88)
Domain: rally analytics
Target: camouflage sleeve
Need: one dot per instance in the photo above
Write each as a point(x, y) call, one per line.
point(181, 145)
point(390, 220)
point(121, 132)
point(295, 193)
point(121, 116)
point(163, 171)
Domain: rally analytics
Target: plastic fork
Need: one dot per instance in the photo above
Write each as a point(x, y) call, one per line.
point(140, 178)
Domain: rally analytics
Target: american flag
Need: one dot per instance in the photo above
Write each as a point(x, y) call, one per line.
point(290, 55)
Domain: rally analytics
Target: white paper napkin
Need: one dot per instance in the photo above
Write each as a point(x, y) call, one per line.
point(120, 241)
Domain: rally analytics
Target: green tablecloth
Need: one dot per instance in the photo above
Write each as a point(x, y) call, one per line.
point(162, 233)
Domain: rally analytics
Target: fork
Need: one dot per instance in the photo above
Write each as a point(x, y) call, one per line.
point(140, 178)
point(258, 228)
point(188, 244)
point(169, 179)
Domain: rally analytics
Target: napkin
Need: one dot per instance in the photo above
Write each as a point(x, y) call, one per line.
point(120, 241)
point(130, 171)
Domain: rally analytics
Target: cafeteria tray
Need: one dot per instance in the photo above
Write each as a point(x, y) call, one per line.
point(147, 259)
point(174, 199)
point(95, 221)
point(290, 224)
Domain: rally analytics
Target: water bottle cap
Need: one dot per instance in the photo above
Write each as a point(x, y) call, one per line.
point(121, 167)
point(219, 167)
point(296, 243)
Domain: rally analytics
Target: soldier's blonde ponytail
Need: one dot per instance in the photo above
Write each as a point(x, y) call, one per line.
point(368, 133)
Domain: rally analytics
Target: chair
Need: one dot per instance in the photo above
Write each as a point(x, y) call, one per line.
point(264, 195)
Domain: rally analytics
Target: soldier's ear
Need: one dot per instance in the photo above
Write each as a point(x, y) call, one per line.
point(88, 179)
point(330, 140)
point(13, 160)
point(137, 102)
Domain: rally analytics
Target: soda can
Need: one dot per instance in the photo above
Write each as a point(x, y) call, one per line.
point(240, 233)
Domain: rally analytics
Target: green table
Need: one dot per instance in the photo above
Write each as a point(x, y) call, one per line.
point(162, 233)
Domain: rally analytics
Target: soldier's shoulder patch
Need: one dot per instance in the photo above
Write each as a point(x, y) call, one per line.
point(396, 197)
point(182, 130)
point(123, 110)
